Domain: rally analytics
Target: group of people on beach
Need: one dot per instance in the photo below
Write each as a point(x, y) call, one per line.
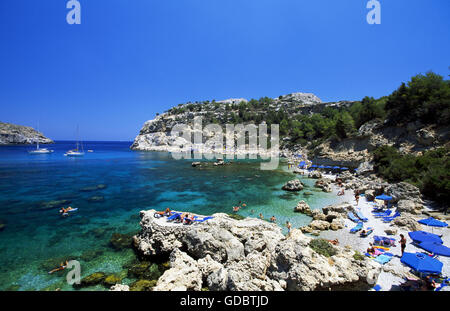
point(184, 218)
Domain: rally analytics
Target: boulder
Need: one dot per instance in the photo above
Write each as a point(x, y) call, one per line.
point(303, 207)
point(369, 195)
point(407, 221)
point(320, 225)
point(111, 280)
point(409, 206)
point(183, 274)
point(91, 280)
point(324, 184)
point(293, 185)
point(315, 174)
point(404, 191)
point(142, 285)
point(391, 231)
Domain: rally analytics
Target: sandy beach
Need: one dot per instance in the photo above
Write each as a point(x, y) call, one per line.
point(393, 271)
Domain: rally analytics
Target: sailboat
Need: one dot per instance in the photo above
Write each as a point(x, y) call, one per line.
point(76, 152)
point(40, 150)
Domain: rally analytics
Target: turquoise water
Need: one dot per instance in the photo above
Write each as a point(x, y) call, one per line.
point(36, 237)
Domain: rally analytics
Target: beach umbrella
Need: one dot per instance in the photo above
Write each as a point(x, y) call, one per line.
point(302, 163)
point(328, 167)
point(384, 197)
point(422, 263)
point(322, 166)
point(336, 167)
point(435, 248)
point(432, 222)
point(423, 236)
point(344, 168)
point(313, 165)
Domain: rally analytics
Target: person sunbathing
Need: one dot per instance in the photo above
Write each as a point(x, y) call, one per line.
point(342, 192)
point(167, 212)
point(61, 267)
point(371, 249)
point(334, 242)
point(189, 220)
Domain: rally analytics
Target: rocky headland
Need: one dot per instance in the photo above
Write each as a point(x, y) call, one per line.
point(11, 134)
point(250, 254)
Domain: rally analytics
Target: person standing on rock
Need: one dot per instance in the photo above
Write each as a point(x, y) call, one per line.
point(288, 225)
point(357, 196)
point(402, 243)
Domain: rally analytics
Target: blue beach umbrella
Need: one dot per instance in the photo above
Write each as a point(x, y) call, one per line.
point(322, 166)
point(435, 248)
point(432, 222)
point(328, 166)
point(344, 168)
point(313, 165)
point(422, 263)
point(336, 167)
point(384, 197)
point(423, 236)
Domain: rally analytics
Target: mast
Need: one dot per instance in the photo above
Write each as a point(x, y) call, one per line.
point(37, 145)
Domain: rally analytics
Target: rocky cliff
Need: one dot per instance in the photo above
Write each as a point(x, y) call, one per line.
point(155, 134)
point(11, 134)
point(250, 254)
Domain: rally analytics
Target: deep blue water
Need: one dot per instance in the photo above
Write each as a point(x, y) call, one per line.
point(35, 233)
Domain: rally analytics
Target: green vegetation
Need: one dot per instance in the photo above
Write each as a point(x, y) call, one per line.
point(426, 98)
point(358, 256)
point(322, 247)
point(236, 216)
point(430, 171)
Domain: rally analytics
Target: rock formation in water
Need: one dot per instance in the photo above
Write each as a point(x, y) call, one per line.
point(11, 134)
point(250, 254)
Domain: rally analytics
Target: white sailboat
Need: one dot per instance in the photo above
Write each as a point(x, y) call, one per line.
point(40, 150)
point(76, 152)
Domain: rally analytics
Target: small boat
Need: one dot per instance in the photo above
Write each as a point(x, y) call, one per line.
point(90, 150)
point(40, 150)
point(75, 152)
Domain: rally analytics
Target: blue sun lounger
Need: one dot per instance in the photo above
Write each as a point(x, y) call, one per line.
point(175, 215)
point(203, 219)
point(361, 216)
point(389, 219)
point(382, 214)
point(384, 258)
point(352, 217)
point(356, 228)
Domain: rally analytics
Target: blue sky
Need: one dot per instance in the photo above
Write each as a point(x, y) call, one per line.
point(130, 59)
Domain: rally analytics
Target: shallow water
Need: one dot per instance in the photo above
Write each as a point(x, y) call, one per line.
point(35, 233)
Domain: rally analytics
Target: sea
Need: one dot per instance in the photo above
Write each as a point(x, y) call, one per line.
point(110, 186)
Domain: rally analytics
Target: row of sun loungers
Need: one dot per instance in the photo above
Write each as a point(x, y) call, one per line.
point(197, 219)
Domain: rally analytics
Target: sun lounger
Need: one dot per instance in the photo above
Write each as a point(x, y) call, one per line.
point(384, 258)
point(203, 219)
point(356, 228)
point(175, 215)
point(352, 217)
point(382, 214)
point(389, 219)
point(383, 241)
point(361, 216)
point(367, 233)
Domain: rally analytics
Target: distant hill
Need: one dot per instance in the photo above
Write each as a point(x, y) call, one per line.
point(12, 134)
